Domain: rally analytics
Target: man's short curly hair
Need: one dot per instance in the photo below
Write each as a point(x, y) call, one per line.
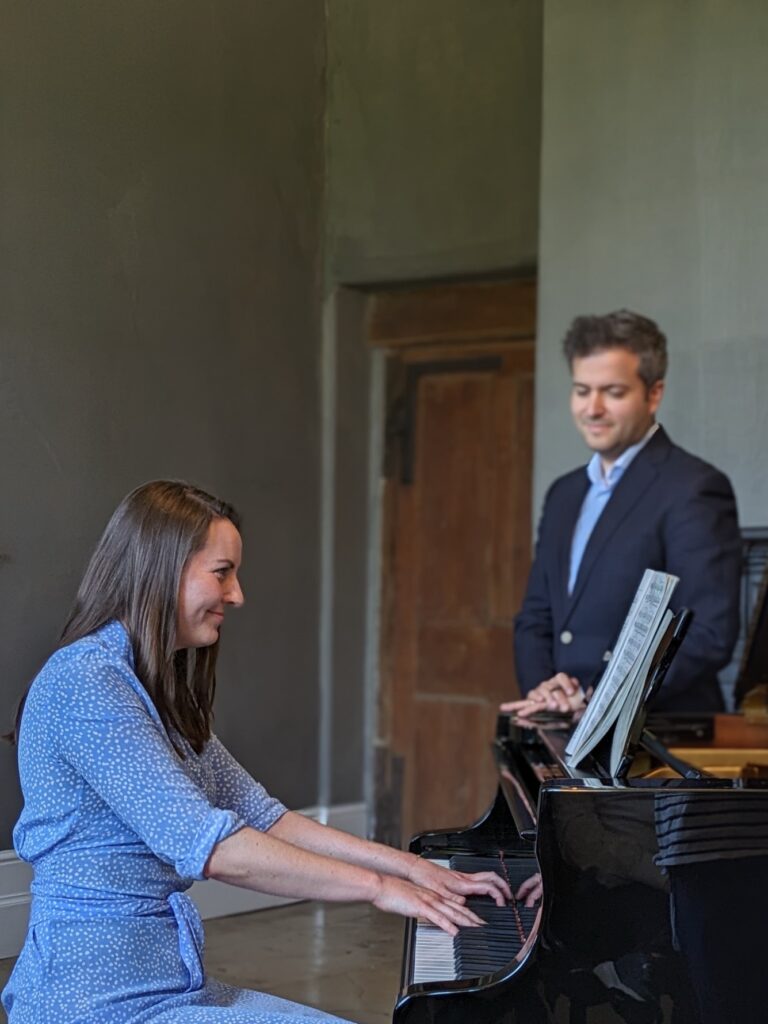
point(622, 329)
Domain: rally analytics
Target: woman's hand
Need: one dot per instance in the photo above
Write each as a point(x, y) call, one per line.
point(560, 693)
point(348, 852)
point(399, 896)
point(457, 885)
point(530, 891)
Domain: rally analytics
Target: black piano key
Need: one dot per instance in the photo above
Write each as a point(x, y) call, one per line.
point(484, 950)
point(515, 869)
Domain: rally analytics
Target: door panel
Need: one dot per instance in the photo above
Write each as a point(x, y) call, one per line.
point(456, 559)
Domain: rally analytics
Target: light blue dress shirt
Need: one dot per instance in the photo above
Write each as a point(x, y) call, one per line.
point(597, 497)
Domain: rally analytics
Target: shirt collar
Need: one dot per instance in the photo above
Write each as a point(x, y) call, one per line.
point(114, 636)
point(595, 466)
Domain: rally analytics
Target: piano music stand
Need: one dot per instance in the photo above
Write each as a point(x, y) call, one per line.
point(638, 735)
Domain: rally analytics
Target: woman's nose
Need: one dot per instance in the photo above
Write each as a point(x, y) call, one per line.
point(235, 593)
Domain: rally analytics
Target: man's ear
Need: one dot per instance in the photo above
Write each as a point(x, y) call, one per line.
point(655, 395)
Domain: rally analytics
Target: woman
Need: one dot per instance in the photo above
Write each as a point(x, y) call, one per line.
point(129, 797)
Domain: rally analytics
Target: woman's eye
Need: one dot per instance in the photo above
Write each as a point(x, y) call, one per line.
point(220, 574)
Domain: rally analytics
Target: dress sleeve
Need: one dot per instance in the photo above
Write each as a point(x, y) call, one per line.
point(238, 791)
point(109, 737)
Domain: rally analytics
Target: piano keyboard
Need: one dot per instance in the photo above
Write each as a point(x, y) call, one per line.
point(474, 952)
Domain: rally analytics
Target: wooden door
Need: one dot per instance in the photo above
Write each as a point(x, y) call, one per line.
point(457, 553)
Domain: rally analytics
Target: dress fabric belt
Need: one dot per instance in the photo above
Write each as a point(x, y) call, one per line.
point(191, 937)
point(186, 915)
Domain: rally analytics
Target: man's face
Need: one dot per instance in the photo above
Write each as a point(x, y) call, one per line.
point(610, 403)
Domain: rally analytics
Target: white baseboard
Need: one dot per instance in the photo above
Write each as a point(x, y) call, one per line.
point(214, 899)
point(15, 877)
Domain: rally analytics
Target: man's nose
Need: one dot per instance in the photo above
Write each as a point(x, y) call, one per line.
point(595, 405)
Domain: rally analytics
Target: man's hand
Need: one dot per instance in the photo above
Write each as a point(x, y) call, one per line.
point(560, 693)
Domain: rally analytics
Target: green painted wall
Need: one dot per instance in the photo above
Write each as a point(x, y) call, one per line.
point(161, 266)
point(161, 190)
point(654, 195)
point(432, 164)
point(433, 133)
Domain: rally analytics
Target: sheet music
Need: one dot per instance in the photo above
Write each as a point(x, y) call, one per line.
point(630, 707)
point(616, 686)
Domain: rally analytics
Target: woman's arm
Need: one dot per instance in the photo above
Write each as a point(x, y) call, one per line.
point(309, 835)
point(267, 863)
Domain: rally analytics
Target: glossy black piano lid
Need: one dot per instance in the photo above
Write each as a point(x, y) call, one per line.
point(605, 951)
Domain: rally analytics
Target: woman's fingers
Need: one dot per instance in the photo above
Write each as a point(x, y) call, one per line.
point(460, 914)
point(400, 897)
point(487, 883)
point(479, 883)
point(441, 911)
point(525, 887)
point(533, 897)
point(530, 891)
point(457, 885)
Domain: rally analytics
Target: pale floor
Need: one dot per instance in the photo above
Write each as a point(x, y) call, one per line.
point(342, 958)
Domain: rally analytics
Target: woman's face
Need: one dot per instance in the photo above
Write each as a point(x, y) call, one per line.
point(209, 586)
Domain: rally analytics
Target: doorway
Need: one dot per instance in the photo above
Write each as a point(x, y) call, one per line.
point(456, 541)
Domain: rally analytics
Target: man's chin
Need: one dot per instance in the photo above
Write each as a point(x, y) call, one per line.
point(600, 443)
point(607, 451)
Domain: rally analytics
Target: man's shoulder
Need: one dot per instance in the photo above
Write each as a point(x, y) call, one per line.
point(683, 466)
point(568, 482)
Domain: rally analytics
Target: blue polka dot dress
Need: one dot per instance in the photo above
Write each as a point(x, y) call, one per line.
point(117, 827)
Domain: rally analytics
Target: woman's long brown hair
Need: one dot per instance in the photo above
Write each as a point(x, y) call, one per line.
point(134, 576)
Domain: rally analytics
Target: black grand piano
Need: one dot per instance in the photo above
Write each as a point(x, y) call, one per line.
point(611, 940)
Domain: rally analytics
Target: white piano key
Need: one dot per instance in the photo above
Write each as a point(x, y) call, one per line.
point(433, 958)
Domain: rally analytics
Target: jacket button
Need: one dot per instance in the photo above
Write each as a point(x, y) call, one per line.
point(566, 636)
point(607, 656)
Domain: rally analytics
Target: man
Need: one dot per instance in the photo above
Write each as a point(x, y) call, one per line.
point(641, 503)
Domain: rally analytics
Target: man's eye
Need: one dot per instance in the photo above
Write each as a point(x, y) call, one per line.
point(617, 392)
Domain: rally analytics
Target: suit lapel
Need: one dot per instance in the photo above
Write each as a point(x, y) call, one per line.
point(639, 476)
point(568, 512)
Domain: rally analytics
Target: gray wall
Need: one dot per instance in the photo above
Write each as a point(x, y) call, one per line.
point(161, 185)
point(160, 271)
point(432, 160)
point(349, 579)
point(654, 196)
point(433, 131)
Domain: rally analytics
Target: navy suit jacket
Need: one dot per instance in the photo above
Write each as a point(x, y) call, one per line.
point(669, 511)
